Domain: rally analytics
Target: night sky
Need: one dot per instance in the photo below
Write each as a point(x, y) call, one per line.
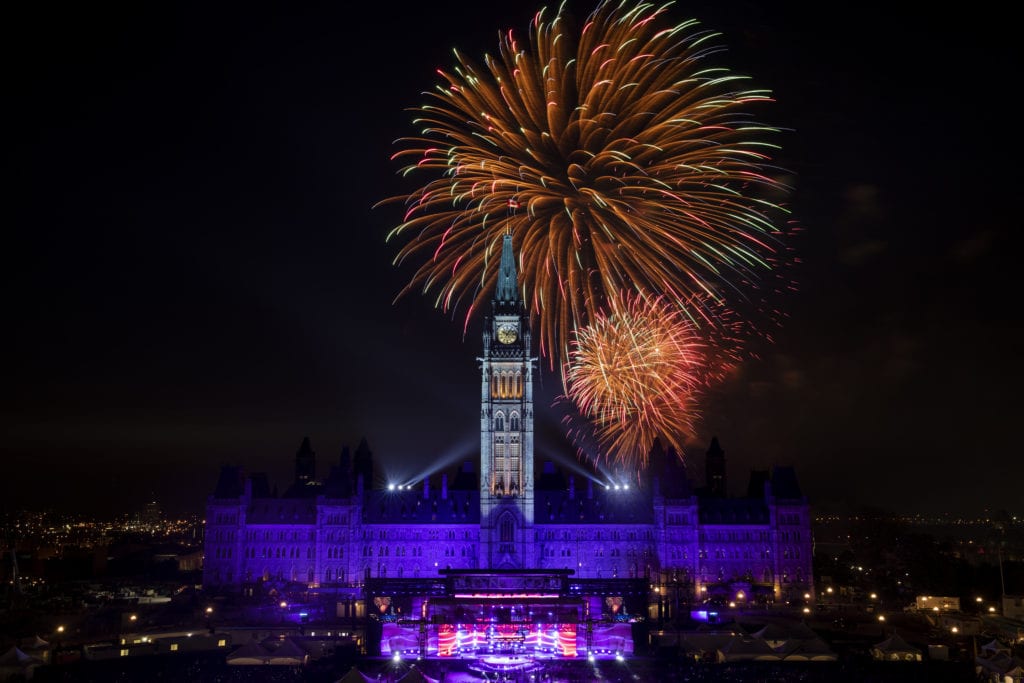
point(195, 273)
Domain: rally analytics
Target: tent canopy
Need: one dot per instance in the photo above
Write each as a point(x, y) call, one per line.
point(894, 647)
point(355, 676)
point(16, 656)
point(250, 653)
point(416, 676)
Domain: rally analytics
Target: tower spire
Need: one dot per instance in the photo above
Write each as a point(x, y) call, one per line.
point(506, 293)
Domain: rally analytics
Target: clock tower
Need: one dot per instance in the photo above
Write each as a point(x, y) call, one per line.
point(506, 426)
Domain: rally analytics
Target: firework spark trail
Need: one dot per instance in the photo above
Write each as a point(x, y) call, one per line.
point(635, 162)
point(637, 372)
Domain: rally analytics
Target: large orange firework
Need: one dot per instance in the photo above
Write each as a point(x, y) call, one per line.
point(637, 373)
point(630, 161)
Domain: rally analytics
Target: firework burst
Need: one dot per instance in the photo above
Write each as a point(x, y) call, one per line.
point(632, 164)
point(637, 372)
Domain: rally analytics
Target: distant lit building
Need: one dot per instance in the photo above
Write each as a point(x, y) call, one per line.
point(937, 603)
point(502, 514)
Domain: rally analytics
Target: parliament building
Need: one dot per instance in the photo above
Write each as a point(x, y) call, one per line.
point(502, 536)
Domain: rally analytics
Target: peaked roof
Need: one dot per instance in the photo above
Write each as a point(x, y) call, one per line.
point(37, 644)
point(774, 631)
point(354, 675)
point(416, 676)
point(1002, 663)
point(995, 646)
point(814, 648)
point(16, 656)
point(288, 648)
point(895, 643)
point(251, 650)
point(784, 483)
point(506, 291)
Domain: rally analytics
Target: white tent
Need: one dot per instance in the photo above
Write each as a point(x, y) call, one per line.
point(354, 675)
point(36, 643)
point(1001, 664)
point(250, 653)
point(895, 649)
point(14, 662)
point(37, 647)
point(775, 635)
point(288, 653)
point(813, 650)
point(747, 649)
point(994, 647)
point(416, 676)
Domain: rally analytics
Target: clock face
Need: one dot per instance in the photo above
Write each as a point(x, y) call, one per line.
point(507, 334)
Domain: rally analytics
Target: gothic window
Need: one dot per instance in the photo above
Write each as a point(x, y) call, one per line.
point(507, 529)
point(499, 422)
point(519, 385)
point(514, 422)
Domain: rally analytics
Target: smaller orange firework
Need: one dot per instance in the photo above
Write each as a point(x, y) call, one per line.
point(636, 374)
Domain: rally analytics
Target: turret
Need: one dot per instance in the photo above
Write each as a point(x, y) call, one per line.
point(714, 469)
point(305, 464)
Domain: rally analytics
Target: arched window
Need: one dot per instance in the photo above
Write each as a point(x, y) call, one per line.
point(519, 385)
point(506, 529)
point(514, 422)
point(499, 422)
